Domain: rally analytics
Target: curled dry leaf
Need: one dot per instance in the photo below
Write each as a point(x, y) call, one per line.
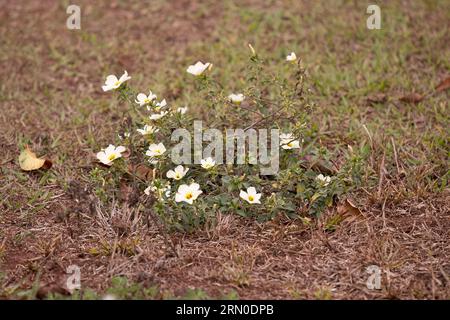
point(28, 161)
point(412, 98)
point(319, 165)
point(377, 98)
point(141, 171)
point(443, 85)
point(126, 154)
point(349, 211)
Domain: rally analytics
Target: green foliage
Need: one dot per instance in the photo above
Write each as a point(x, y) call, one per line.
point(275, 98)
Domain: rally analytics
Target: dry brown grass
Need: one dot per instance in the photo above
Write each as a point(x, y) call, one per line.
point(47, 94)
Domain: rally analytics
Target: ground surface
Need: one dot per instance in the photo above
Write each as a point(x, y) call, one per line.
point(50, 98)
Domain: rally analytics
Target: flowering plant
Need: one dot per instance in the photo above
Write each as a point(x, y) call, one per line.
point(186, 196)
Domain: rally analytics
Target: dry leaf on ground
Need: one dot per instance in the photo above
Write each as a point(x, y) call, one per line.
point(28, 161)
point(141, 171)
point(443, 85)
point(349, 211)
point(377, 98)
point(412, 98)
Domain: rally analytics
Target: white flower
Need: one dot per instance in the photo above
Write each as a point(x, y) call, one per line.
point(148, 189)
point(143, 99)
point(188, 193)
point(208, 163)
point(250, 196)
point(124, 135)
point(113, 83)
point(287, 141)
point(110, 154)
point(198, 68)
point(147, 130)
point(182, 110)
point(291, 57)
point(155, 150)
point(168, 190)
point(164, 190)
point(236, 98)
point(159, 105)
point(178, 173)
point(158, 116)
point(323, 180)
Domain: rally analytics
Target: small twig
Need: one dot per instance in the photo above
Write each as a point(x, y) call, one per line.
point(395, 155)
point(382, 173)
point(266, 117)
point(113, 253)
point(368, 133)
point(383, 211)
point(162, 230)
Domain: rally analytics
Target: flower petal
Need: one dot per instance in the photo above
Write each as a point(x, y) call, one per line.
point(251, 191)
point(121, 149)
point(243, 195)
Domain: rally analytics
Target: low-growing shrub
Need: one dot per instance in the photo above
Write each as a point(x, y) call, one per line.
point(187, 196)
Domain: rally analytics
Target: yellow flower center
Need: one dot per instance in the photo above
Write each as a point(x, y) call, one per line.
point(250, 198)
point(289, 144)
point(117, 83)
point(111, 157)
point(146, 100)
point(177, 176)
point(188, 195)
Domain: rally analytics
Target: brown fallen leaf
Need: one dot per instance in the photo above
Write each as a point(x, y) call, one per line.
point(141, 171)
point(349, 211)
point(128, 193)
point(377, 98)
point(443, 85)
point(319, 165)
point(412, 98)
point(28, 161)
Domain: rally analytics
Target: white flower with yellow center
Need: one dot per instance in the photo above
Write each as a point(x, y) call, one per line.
point(157, 116)
point(288, 141)
point(323, 180)
point(182, 110)
point(147, 130)
point(236, 98)
point(250, 196)
point(142, 99)
point(112, 82)
point(111, 153)
point(292, 57)
point(198, 68)
point(178, 173)
point(155, 150)
point(188, 193)
point(207, 163)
